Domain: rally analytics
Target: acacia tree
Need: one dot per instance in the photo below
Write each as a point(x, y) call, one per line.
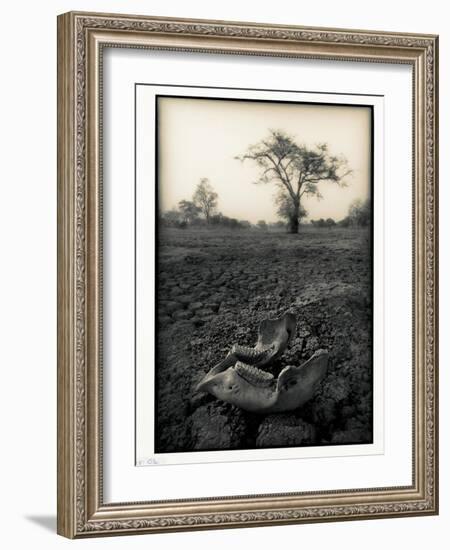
point(296, 170)
point(205, 198)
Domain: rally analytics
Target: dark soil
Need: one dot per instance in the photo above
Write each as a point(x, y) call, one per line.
point(215, 288)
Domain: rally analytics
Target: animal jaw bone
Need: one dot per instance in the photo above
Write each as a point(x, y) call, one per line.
point(274, 336)
point(238, 379)
point(254, 390)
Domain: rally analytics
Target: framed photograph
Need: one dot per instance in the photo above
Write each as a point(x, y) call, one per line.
point(247, 276)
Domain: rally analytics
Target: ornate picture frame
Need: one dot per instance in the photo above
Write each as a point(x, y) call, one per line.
point(82, 41)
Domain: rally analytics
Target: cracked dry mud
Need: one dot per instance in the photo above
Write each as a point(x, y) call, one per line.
point(215, 287)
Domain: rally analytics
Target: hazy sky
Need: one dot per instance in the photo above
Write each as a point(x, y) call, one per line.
point(200, 138)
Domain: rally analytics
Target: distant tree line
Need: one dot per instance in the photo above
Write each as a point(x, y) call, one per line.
point(329, 222)
point(359, 215)
point(201, 210)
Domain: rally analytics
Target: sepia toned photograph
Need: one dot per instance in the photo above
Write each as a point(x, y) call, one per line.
point(264, 274)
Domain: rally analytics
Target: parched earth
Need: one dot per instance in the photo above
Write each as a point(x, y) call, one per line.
point(214, 288)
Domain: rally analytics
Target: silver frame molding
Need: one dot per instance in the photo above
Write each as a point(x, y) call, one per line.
point(81, 37)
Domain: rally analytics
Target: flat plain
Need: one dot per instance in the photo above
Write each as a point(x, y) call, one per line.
point(214, 286)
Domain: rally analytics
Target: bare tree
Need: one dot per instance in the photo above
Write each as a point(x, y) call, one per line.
point(295, 169)
point(205, 198)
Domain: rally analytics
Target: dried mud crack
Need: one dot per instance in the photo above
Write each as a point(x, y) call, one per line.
point(214, 290)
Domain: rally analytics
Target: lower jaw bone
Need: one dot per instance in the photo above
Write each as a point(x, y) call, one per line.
point(257, 391)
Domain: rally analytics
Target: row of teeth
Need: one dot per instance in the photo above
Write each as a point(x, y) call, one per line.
point(254, 375)
point(250, 353)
